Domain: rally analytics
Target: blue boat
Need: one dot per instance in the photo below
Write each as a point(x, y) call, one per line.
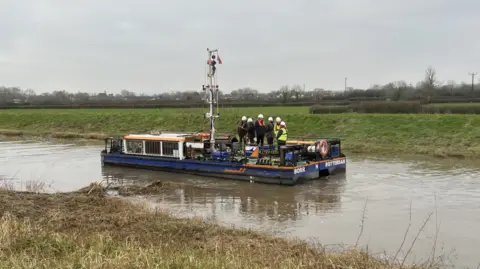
point(224, 157)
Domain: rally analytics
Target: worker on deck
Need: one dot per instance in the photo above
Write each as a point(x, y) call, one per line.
point(250, 131)
point(242, 129)
point(282, 135)
point(260, 130)
point(212, 63)
point(270, 133)
point(276, 127)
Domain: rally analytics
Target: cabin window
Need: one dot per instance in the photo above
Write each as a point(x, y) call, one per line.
point(153, 147)
point(169, 148)
point(135, 146)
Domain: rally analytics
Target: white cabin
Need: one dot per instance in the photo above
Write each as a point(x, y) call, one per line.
point(171, 145)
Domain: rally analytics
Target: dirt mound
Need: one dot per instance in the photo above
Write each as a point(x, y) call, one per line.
point(95, 188)
point(152, 188)
point(156, 187)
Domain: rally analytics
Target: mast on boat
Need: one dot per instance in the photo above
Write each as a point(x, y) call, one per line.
point(212, 97)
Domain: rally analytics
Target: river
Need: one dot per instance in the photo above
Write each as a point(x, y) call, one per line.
point(327, 211)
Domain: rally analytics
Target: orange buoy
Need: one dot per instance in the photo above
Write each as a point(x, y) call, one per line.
point(203, 135)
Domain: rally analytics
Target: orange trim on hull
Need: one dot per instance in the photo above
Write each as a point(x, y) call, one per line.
point(298, 142)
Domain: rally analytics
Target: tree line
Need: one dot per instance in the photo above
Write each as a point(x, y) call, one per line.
point(429, 90)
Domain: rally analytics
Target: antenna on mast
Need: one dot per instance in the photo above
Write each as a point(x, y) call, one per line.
point(212, 93)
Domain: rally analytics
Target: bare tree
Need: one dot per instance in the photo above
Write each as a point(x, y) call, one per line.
point(245, 94)
point(401, 90)
point(318, 93)
point(285, 93)
point(451, 86)
point(431, 77)
point(426, 89)
point(430, 83)
point(297, 92)
point(126, 93)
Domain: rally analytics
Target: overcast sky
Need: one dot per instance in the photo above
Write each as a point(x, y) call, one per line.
point(157, 46)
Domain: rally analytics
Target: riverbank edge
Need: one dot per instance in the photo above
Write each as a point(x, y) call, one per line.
point(347, 146)
point(57, 233)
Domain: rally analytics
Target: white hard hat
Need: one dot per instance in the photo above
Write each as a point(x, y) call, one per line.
point(282, 123)
point(249, 120)
point(244, 118)
point(278, 119)
point(260, 116)
point(270, 119)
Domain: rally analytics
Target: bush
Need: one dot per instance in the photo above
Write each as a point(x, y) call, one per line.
point(396, 107)
point(403, 107)
point(326, 109)
point(449, 109)
point(454, 99)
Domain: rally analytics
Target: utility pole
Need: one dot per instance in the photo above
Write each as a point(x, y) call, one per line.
point(345, 93)
point(473, 80)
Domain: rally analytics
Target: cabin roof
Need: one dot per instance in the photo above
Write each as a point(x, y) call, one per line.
point(160, 137)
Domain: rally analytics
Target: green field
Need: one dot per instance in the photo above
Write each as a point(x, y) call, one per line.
point(432, 134)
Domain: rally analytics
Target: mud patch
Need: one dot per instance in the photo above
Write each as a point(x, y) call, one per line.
point(153, 188)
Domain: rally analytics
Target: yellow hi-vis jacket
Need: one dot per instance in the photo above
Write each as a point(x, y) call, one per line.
point(276, 127)
point(283, 137)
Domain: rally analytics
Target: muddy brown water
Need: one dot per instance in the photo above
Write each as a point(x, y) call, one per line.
point(327, 211)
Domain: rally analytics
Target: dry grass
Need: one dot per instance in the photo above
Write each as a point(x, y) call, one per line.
point(87, 229)
point(28, 186)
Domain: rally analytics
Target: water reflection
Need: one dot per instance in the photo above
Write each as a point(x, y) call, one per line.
point(422, 163)
point(243, 199)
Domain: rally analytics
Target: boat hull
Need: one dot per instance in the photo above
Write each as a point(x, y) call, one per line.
point(228, 170)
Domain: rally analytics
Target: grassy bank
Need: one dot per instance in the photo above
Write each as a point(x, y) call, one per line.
point(87, 229)
point(432, 134)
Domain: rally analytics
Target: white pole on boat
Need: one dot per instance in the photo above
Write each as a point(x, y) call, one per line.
point(212, 90)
